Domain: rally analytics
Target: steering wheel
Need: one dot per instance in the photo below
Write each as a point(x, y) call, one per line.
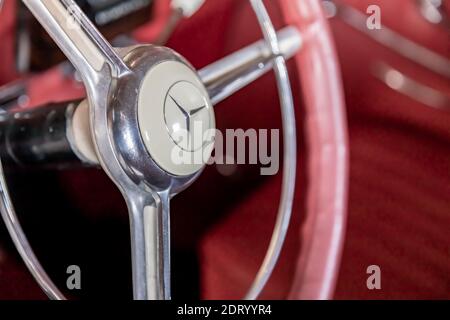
point(142, 103)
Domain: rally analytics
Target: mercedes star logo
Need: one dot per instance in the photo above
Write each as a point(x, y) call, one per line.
point(187, 115)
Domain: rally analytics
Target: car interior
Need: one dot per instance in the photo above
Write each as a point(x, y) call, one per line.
point(366, 145)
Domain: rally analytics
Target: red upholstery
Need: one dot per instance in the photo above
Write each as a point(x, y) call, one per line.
point(7, 34)
point(399, 197)
point(399, 204)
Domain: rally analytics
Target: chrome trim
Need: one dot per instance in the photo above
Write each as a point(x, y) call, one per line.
point(400, 82)
point(395, 41)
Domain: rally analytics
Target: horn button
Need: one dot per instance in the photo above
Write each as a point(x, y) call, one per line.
point(176, 118)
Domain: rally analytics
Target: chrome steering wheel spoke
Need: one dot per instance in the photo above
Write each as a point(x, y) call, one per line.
point(79, 39)
point(150, 237)
point(228, 75)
